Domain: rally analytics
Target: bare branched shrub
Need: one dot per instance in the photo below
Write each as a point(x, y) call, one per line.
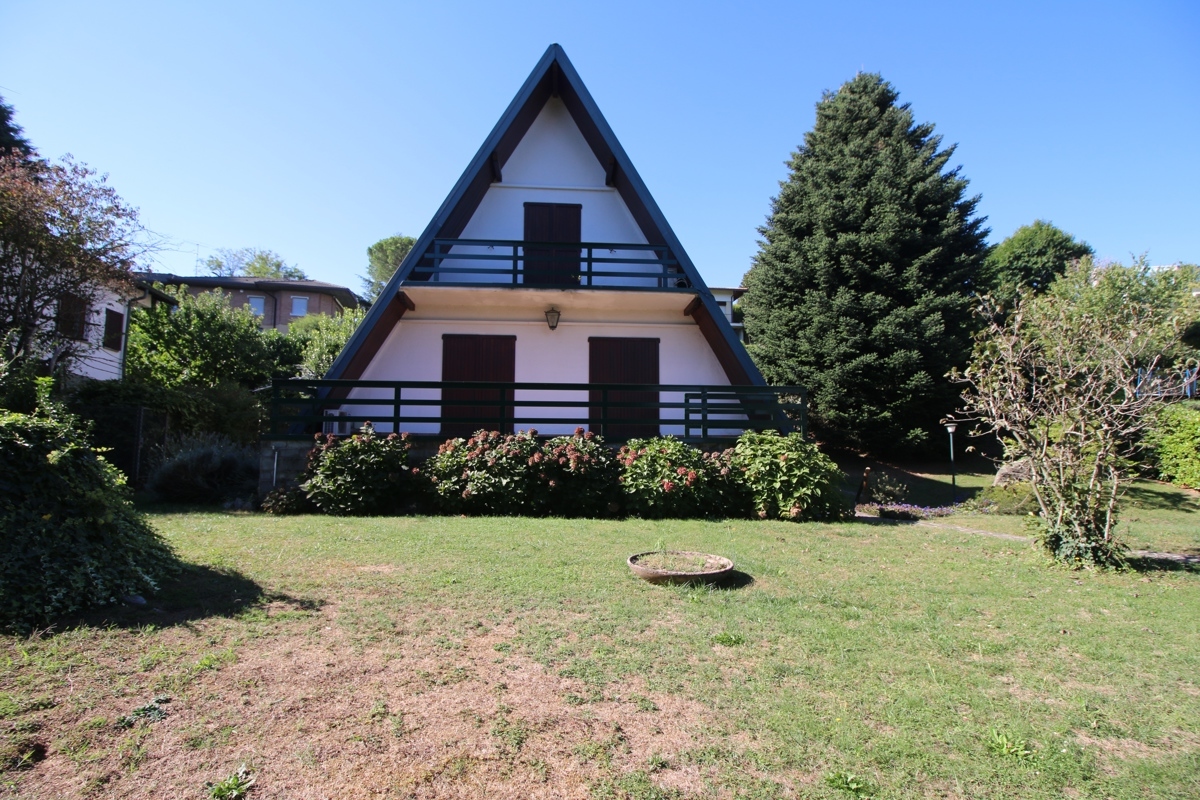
point(1056, 379)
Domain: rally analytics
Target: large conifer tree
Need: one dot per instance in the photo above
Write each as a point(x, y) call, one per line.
point(861, 287)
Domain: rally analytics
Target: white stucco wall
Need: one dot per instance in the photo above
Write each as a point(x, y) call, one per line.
point(553, 164)
point(413, 351)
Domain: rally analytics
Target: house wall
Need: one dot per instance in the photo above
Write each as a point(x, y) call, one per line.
point(552, 164)
point(318, 303)
point(94, 360)
point(413, 350)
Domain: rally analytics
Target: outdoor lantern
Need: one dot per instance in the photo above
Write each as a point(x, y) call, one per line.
point(552, 318)
point(950, 428)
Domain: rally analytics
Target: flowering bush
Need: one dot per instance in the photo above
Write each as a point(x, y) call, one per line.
point(365, 474)
point(789, 478)
point(578, 475)
point(663, 477)
point(490, 473)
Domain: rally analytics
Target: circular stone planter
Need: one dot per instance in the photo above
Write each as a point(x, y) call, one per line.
point(679, 566)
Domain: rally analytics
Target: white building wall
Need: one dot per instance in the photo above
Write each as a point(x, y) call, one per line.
point(94, 360)
point(413, 351)
point(552, 164)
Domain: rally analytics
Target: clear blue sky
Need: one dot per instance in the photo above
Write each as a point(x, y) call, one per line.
point(316, 129)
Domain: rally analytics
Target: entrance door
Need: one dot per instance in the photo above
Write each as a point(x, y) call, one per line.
point(552, 222)
point(477, 358)
point(622, 360)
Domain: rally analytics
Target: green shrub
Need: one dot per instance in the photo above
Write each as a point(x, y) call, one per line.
point(578, 474)
point(491, 474)
point(365, 474)
point(789, 478)
point(69, 537)
point(1175, 442)
point(663, 477)
point(203, 468)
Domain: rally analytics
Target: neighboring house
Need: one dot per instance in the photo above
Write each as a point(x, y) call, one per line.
point(725, 299)
point(98, 330)
point(278, 302)
point(548, 281)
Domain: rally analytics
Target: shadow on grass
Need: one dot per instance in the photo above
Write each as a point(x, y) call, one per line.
point(197, 592)
point(736, 579)
point(1165, 498)
point(1153, 562)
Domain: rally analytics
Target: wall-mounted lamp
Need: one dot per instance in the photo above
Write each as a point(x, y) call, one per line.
point(552, 318)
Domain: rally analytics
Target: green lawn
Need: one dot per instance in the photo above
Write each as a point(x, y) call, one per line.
point(453, 657)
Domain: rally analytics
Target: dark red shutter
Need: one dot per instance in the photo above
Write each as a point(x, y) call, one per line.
point(624, 360)
point(477, 358)
point(552, 222)
point(114, 329)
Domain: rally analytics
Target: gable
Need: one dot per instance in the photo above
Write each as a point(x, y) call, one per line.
point(532, 150)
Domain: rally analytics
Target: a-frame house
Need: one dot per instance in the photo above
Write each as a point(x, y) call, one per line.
point(552, 285)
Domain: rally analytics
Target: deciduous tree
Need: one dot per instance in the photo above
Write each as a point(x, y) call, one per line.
point(253, 262)
point(64, 235)
point(861, 287)
point(1032, 258)
point(1056, 378)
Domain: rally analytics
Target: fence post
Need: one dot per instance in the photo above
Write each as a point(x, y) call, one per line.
point(396, 392)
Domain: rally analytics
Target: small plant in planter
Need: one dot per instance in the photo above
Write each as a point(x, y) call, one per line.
point(679, 566)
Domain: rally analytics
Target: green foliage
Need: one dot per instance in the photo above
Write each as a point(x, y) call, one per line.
point(203, 341)
point(1005, 746)
point(860, 289)
point(490, 473)
point(319, 339)
point(663, 477)
point(851, 784)
point(383, 259)
point(1055, 377)
point(226, 409)
point(1175, 443)
point(71, 538)
point(1032, 258)
point(365, 474)
point(579, 476)
point(204, 468)
point(253, 262)
point(789, 478)
point(235, 787)
point(1015, 499)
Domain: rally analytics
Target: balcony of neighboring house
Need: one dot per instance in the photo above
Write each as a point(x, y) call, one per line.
point(493, 263)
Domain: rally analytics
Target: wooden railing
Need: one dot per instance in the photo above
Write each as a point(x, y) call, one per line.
point(550, 264)
point(300, 408)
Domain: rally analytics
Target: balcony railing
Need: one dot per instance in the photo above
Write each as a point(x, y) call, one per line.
point(550, 265)
point(300, 408)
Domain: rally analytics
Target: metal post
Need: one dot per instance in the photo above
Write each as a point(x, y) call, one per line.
point(953, 479)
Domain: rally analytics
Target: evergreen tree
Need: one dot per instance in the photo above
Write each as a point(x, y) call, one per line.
point(383, 259)
point(1032, 258)
point(12, 137)
point(861, 287)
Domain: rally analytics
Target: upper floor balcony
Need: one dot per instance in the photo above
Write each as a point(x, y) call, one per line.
point(550, 265)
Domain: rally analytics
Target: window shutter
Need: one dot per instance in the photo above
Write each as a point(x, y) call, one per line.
point(624, 360)
point(477, 358)
point(114, 329)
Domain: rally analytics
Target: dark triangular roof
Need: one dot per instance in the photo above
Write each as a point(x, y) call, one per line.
point(554, 76)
